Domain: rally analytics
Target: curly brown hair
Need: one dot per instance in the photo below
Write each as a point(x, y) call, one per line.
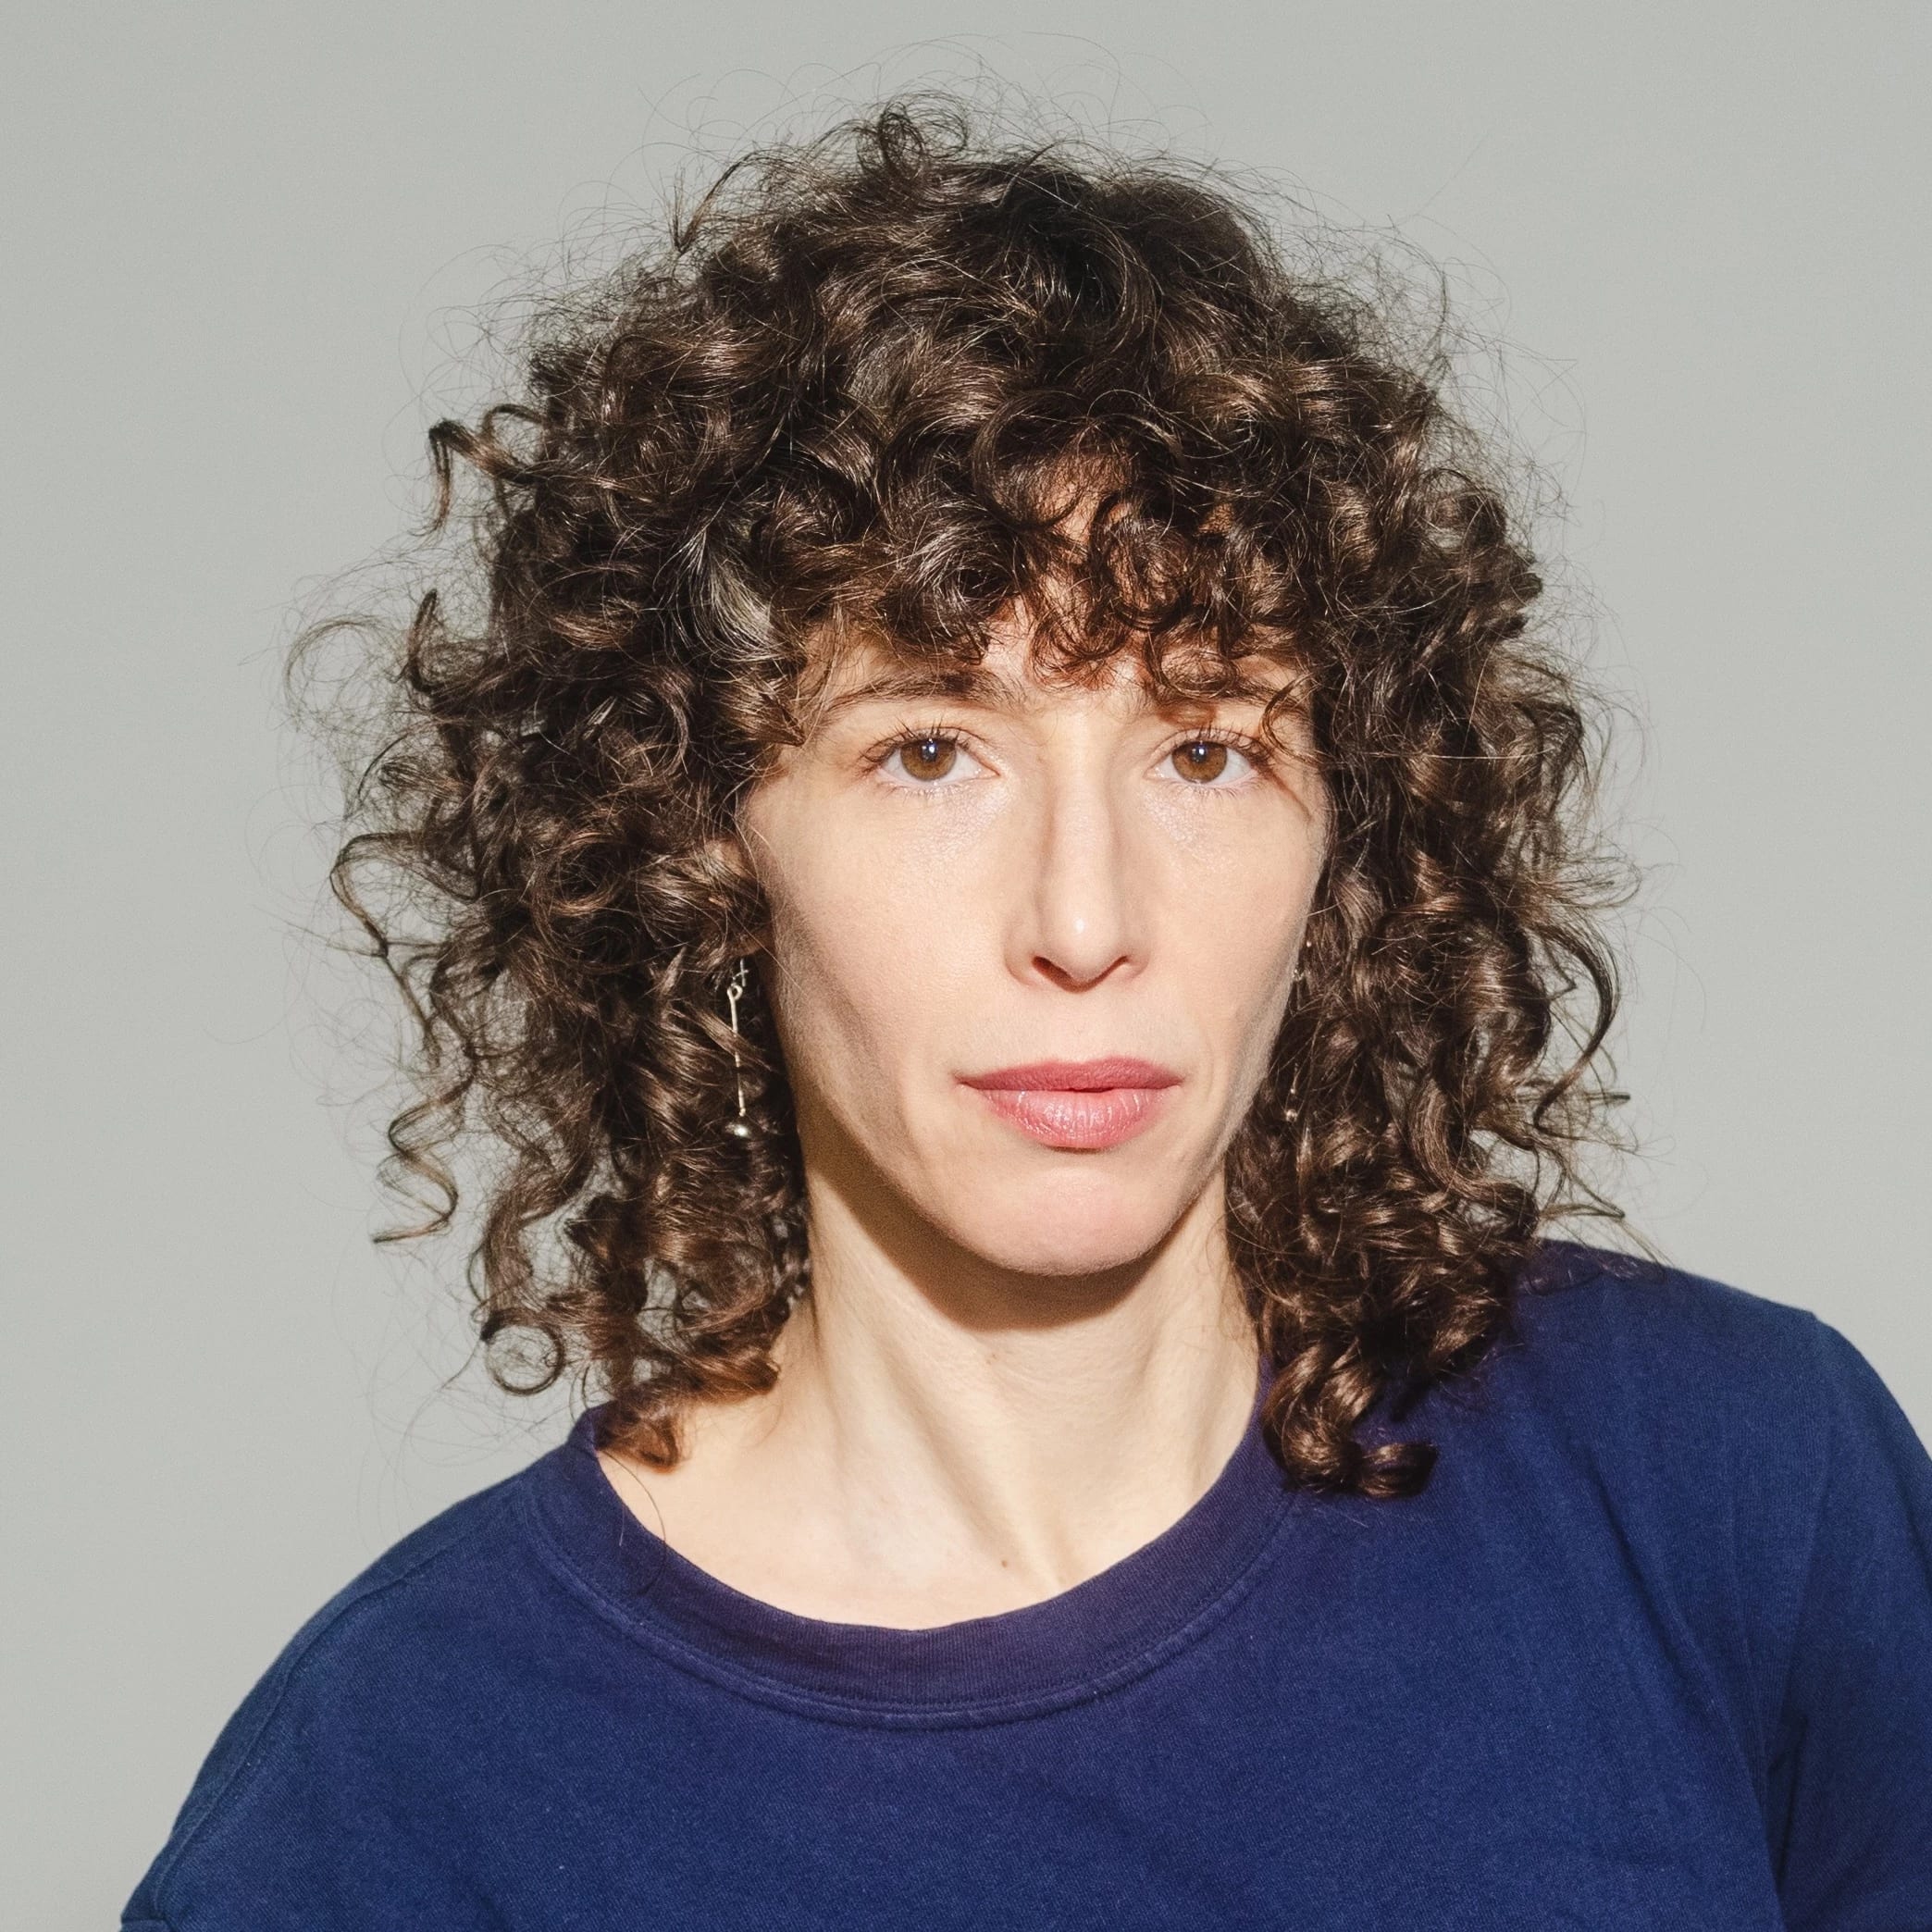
point(848, 388)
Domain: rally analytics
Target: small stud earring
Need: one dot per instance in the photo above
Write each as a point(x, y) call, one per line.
point(739, 1129)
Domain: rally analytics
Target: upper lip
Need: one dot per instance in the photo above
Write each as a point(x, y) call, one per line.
point(1074, 1076)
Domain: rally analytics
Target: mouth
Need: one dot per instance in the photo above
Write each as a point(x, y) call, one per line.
point(1077, 1104)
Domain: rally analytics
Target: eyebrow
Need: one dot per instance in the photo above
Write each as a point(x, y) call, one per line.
point(971, 684)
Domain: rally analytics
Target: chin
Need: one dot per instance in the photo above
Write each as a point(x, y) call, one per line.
point(1061, 1224)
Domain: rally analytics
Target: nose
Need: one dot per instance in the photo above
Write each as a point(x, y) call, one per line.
point(1078, 916)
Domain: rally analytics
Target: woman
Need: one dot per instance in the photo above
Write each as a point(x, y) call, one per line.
point(1008, 873)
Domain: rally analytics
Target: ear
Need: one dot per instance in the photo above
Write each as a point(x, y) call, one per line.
point(724, 860)
point(727, 854)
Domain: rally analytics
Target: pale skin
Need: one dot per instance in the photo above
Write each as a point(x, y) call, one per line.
point(1017, 1362)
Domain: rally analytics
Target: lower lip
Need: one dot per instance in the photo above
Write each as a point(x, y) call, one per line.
point(1063, 1117)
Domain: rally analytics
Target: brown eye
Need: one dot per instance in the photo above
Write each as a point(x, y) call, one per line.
point(1201, 761)
point(929, 757)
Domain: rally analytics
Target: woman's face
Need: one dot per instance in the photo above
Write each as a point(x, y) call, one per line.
point(1031, 943)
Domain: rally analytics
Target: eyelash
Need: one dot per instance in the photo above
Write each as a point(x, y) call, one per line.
point(1251, 749)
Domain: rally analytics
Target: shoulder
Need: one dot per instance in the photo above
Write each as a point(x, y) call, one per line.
point(1734, 1471)
point(1713, 1436)
point(416, 1587)
point(1662, 1357)
point(404, 1653)
point(1571, 1286)
point(1687, 1421)
point(1654, 1352)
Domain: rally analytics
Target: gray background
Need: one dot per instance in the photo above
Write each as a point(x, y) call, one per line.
point(241, 242)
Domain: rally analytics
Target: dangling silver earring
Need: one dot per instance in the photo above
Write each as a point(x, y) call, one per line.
point(739, 1129)
point(1291, 1111)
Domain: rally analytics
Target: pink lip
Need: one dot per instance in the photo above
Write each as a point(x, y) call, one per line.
point(1077, 1103)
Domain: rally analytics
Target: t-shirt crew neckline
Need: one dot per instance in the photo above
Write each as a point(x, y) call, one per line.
point(1117, 1625)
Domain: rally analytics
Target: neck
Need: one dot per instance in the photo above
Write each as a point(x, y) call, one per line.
point(948, 1440)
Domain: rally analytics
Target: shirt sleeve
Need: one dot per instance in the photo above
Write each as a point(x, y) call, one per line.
point(1848, 1805)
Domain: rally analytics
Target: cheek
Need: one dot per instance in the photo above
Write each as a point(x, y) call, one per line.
point(871, 953)
point(1235, 909)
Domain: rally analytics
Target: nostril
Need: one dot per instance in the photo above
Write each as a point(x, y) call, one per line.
point(1075, 977)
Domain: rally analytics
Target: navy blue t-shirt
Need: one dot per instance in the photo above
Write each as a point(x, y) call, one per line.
point(1653, 1650)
